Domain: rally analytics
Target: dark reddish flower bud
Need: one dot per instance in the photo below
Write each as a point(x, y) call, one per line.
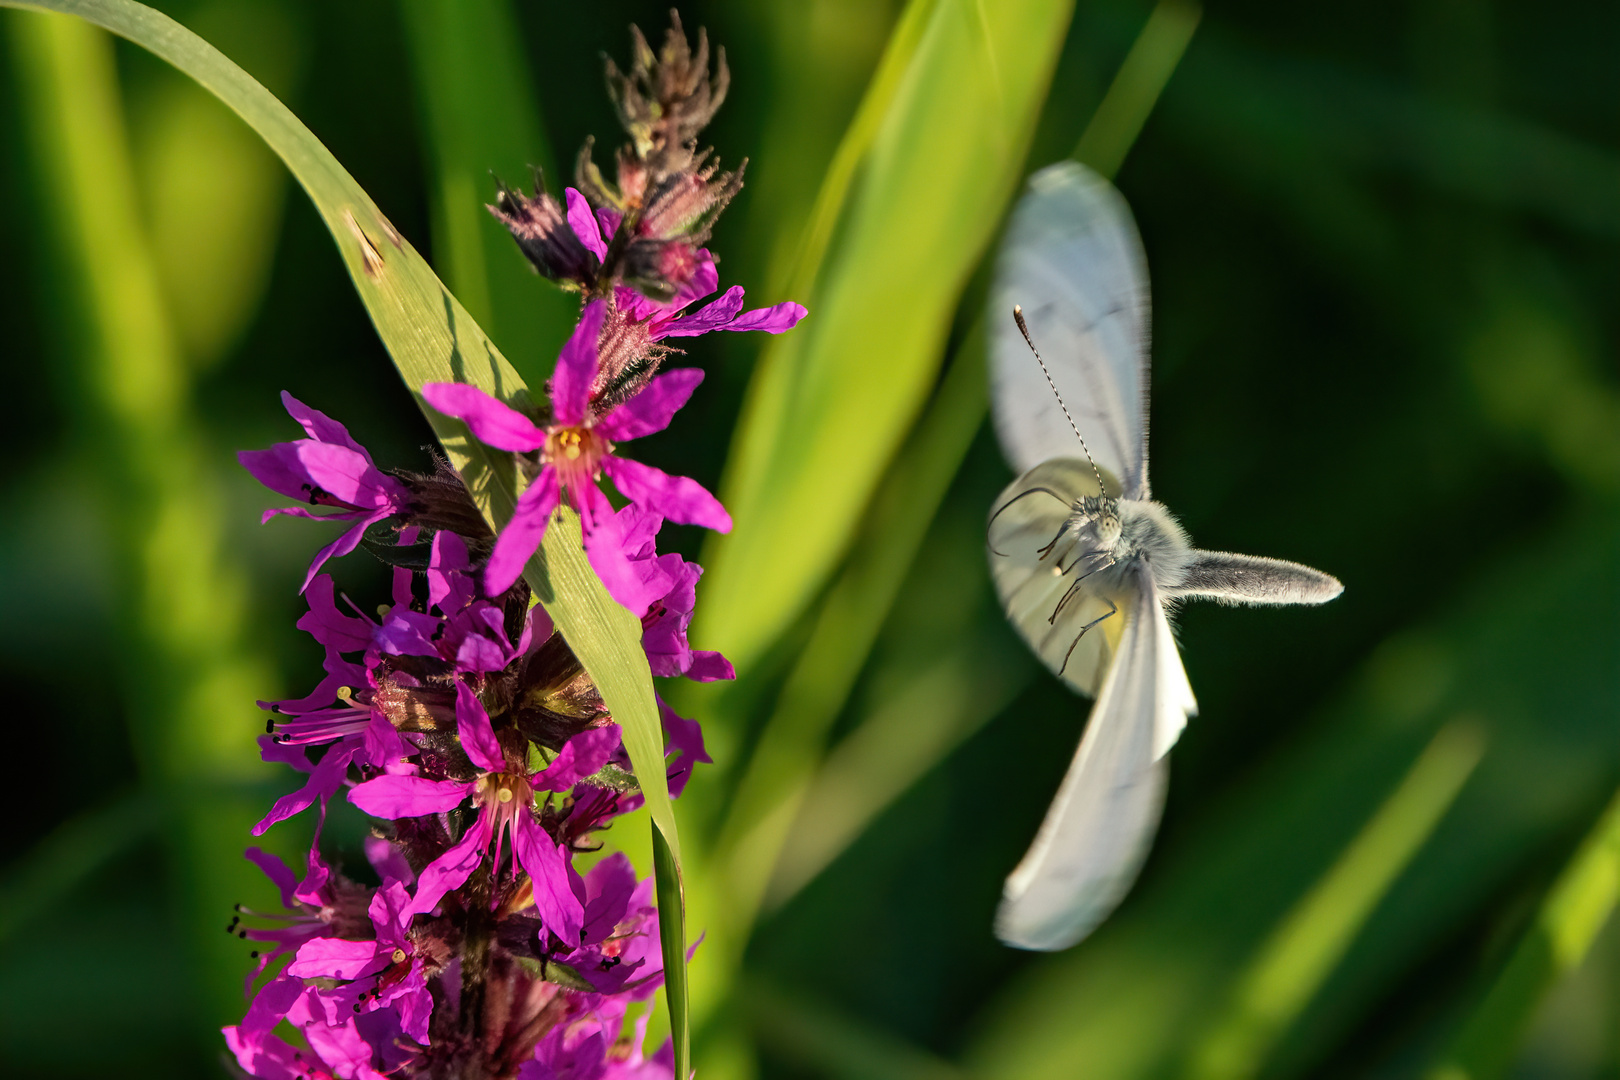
point(540, 226)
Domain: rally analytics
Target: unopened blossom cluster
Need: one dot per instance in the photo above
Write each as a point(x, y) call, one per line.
point(457, 716)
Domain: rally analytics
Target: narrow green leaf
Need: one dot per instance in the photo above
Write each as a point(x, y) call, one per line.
point(1136, 88)
point(672, 937)
point(431, 338)
point(1303, 950)
point(768, 400)
point(1577, 906)
point(930, 190)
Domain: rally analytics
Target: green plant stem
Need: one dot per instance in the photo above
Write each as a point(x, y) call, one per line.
point(1577, 906)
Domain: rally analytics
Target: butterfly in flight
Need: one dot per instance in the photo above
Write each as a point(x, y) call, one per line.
point(1084, 561)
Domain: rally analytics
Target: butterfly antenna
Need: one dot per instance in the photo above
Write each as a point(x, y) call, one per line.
point(1023, 328)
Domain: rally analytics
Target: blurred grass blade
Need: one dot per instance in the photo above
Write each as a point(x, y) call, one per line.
point(799, 276)
point(1135, 90)
point(891, 749)
point(672, 909)
point(481, 112)
point(1306, 946)
point(184, 668)
point(846, 626)
point(213, 192)
point(60, 861)
point(430, 337)
point(1577, 906)
point(823, 1041)
point(836, 398)
point(767, 404)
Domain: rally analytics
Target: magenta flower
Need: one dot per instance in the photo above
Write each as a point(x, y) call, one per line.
point(327, 469)
point(698, 278)
point(384, 971)
point(663, 626)
point(671, 319)
point(574, 451)
point(504, 799)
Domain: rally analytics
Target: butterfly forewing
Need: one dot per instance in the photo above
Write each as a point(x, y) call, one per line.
point(1072, 260)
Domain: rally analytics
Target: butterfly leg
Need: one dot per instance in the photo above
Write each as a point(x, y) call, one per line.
point(1075, 588)
point(1112, 610)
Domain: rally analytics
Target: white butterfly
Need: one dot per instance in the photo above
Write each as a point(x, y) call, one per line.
point(1083, 560)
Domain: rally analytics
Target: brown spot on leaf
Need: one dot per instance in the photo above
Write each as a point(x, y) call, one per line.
point(370, 257)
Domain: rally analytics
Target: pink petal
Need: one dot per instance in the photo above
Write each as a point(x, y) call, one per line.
point(336, 958)
point(341, 1047)
point(317, 424)
point(346, 475)
point(581, 756)
point(704, 280)
point(270, 1005)
point(547, 868)
point(522, 534)
point(452, 868)
point(584, 224)
point(637, 585)
point(414, 1003)
point(709, 666)
point(388, 861)
point(329, 626)
point(652, 409)
point(324, 779)
point(495, 424)
point(277, 871)
point(343, 544)
point(576, 368)
point(608, 888)
point(713, 316)
point(408, 796)
point(477, 736)
point(447, 566)
point(772, 320)
point(384, 744)
point(678, 498)
point(390, 912)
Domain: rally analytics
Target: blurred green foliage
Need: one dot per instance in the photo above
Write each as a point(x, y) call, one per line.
point(1383, 242)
